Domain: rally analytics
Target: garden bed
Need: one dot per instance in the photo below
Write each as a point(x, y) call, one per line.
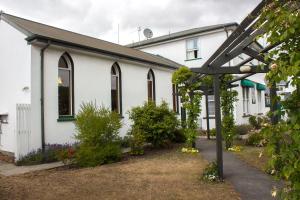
point(159, 174)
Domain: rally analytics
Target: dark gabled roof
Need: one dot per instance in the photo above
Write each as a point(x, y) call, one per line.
point(181, 34)
point(42, 32)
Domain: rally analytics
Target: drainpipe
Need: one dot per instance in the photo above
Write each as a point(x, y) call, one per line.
point(42, 96)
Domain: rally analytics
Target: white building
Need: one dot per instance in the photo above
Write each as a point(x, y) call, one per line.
point(46, 73)
point(192, 48)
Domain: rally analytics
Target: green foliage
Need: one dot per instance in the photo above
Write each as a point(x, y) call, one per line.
point(190, 98)
point(256, 122)
point(256, 139)
point(125, 141)
point(137, 141)
point(213, 132)
point(228, 97)
point(210, 173)
point(156, 123)
point(243, 129)
point(179, 136)
point(283, 27)
point(97, 132)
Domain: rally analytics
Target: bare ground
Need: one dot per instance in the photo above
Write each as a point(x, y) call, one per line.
point(167, 174)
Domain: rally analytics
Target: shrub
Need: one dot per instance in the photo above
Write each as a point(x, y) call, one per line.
point(256, 139)
point(51, 154)
point(156, 123)
point(125, 141)
point(256, 122)
point(210, 173)
point(137, 141)
point(243, 129)
point(179, 136)
point(213, 132)
point(97, 133)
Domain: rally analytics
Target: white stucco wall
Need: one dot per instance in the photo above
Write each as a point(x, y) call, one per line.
point(14, 76)
point(208, 43)
point(92, 83)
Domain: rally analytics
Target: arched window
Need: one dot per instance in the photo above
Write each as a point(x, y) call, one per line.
point(116, 89)
point(65, 86)
point(151, 85)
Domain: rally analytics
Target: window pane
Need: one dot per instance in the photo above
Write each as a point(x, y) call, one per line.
point(113, 82)
point(150, 91)
point(62, 63)
point(114, 94)
point(64, 93)
point(190, 55)
point(211, 104)
point(190, 45)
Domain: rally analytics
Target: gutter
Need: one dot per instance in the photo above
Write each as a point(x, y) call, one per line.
point(42, 96)
point(93, 50)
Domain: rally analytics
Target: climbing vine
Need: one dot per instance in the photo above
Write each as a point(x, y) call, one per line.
point(190, 98)
point(283, 27)
point(228, 97)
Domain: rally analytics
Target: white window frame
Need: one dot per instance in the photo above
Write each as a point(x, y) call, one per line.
point(211, 101)
point(192, 49)
point(246, 100)
point(259, 101)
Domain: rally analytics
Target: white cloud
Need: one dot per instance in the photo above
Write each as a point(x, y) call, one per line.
point(99, 18)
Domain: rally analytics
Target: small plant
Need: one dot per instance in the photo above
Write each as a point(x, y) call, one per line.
point(50, 154)
point(213, 132)
point(125, 141)
point(137, 141)
point(255, 122)
point(189, 150)
point(98, 136)
point(256, 139)
point(243, 129)
point(235, 148)
point(210, 173)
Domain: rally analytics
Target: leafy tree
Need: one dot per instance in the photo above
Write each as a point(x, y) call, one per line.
point(190, 98)
point(228, 97)
point(283, 28)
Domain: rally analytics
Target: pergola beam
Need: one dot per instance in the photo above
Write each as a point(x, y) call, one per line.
point(230, 70)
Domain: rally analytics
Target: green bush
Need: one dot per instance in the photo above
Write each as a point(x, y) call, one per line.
point(256, 139)
point(256, 122)
point(156, 123)
point(243, 129)
point(179, 136)
point(98, 136)
point(125, 141)
point(213, 132)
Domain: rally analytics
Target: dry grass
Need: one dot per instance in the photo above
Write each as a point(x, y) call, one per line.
point(251, 156)
point(167, 174)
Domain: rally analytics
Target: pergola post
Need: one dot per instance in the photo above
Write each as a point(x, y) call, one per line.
point(218, 125)
point(207, 115)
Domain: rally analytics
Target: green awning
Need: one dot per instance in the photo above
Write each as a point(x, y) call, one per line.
point(247, 83)
point(260, 86)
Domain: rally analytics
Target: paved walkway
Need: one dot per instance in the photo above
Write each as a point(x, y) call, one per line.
point(251, 183)
point(8, 169)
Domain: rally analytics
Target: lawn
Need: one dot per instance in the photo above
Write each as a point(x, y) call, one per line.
point(251, 155)
point(164, 174)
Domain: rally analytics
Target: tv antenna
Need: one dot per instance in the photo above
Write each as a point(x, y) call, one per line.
point(148, 33)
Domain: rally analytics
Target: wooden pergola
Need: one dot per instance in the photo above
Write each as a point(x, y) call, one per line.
point(239, 42)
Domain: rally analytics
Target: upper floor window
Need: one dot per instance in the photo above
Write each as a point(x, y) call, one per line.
point(175, 98)
point(65, 86)
point(192, 49)
point(116, 88)
point(151, 85)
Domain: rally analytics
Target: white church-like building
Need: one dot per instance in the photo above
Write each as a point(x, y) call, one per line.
point(46, 73)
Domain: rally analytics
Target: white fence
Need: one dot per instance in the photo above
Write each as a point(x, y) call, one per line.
point(23, 129)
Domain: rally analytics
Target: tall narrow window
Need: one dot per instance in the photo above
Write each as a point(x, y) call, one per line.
point(211, 105)
point(151, 85)
point(175, 98)
point(192, 49)
point(116, 88)
point(245, 100)
point(259, 101)
point(65, 86)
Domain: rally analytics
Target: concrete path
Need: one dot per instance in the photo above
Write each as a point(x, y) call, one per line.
point(8, 169)
point(251, 183)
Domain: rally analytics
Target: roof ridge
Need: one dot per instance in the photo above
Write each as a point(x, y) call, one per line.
point(14, 19)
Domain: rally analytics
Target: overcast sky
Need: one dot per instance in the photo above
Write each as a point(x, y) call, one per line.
point(100, 18)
